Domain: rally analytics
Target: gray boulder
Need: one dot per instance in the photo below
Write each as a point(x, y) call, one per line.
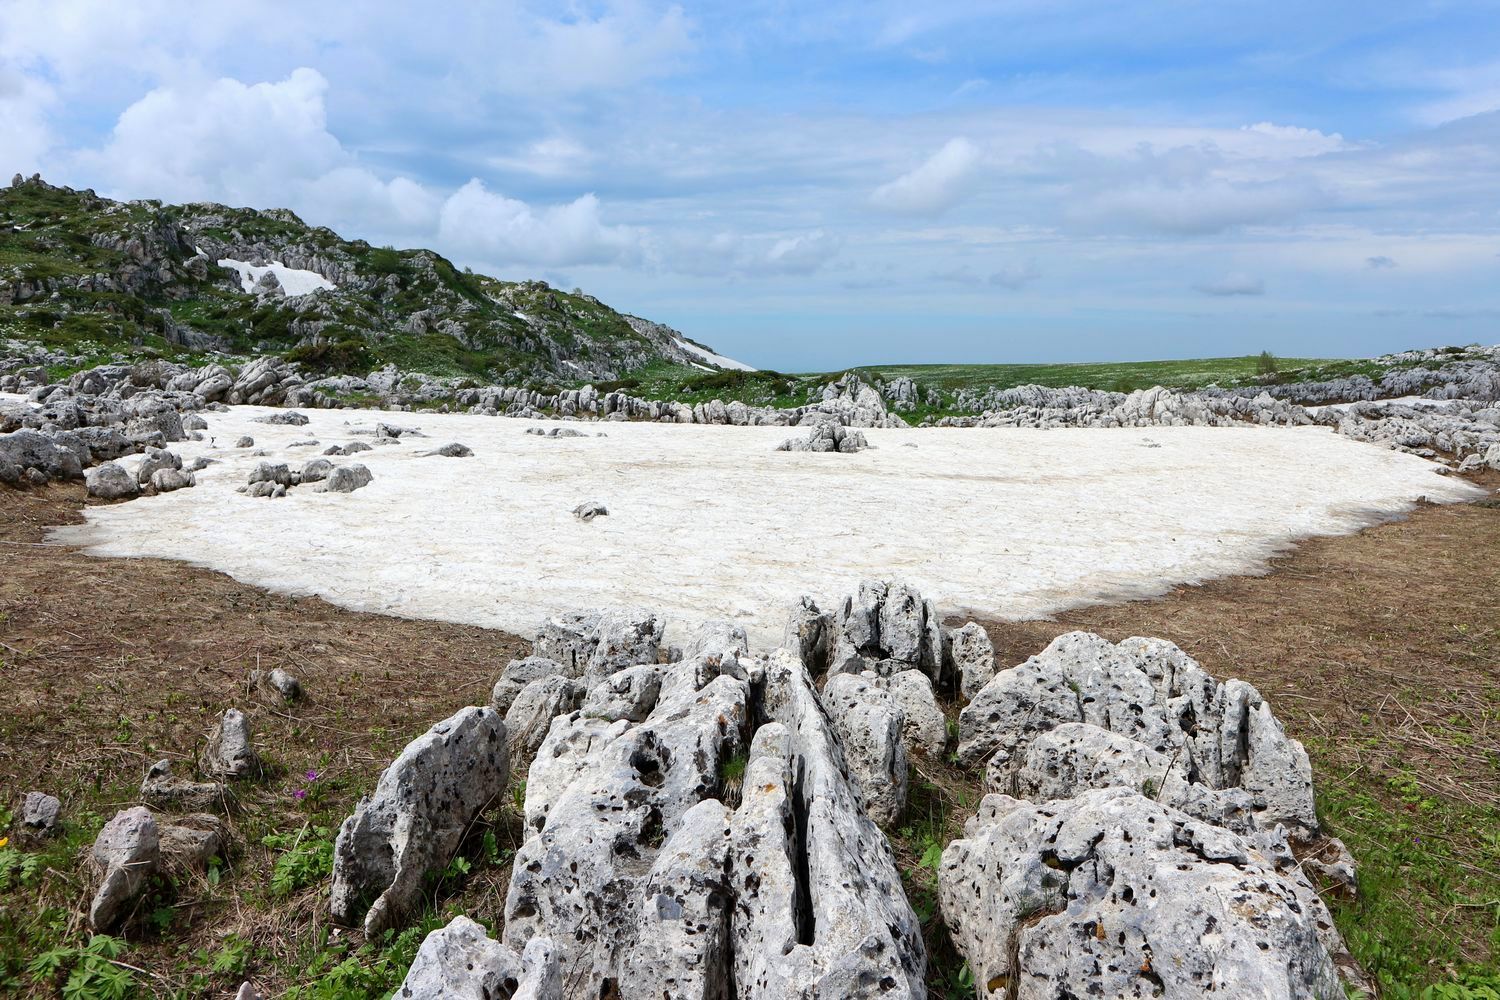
point(126, 854)
point(347, 479)
point(454, 450)
point(808, 634)
point(163, 789)
point(1151, 692)
point(887, 627)
point(924, 729)
point(231, 751)
point(869, 725)
point(289, 418)
point(284, 684)
point(39, 814)
point(276, 473)
point(589, 511)
point(245, 441)
point(519, 673)
point(971, 658)
point(171, 480)
point(410, 827)
point(316, 470)
point(110, 481)
point(827, 437)
point(156, 459)
point(538, 703)
point(1133, 898)
point(27, 449)
point(190, 843)
point(462, 962)
point(628, 694)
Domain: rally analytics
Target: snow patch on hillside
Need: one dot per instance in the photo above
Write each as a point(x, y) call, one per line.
point(717, 360)
point(294, 281)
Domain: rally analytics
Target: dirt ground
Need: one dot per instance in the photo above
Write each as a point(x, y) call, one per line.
point(1381, 650)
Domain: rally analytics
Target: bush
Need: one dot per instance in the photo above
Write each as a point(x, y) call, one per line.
point(349, 356)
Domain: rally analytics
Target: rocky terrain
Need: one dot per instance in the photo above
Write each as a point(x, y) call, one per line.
point(703, 820)
point(94, 276)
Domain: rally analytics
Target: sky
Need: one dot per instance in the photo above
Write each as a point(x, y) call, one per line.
point(815, 186)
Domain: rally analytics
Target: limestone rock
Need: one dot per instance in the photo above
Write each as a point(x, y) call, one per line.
point(316, 470)
point(519, 673)
point(590, 510)
point(39, 814)
point(1133, 898)
point(284, 684)
point(628, 694)
point(454, 450)
point(190, 844)
point(462, 962)
point(421, 807)
point(348, 478)
point(126, 852)
point(869, 724)
point(231, 751)
point(163, 789)
point(538, 703)
point(110, 481)
point(924, 729)
point(808, 635)
point(156, 459)
point(971, 656)
point(171, 480)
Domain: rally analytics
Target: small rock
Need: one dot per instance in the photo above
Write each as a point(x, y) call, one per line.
point(164, 790)
point(454, 450)
point(171, 480)
point(127, 852)
point(462, 962)
point(245, 442)
point(39, 814)
point(589, 511)
point(347, 479)
point(284, 684)
point(231, 752)
point(192, 842)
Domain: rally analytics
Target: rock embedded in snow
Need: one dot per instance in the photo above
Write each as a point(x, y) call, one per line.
point(171, 480)
point(289, 418)
point(155, 459)
point(245, 441)
point(316, 470)
point(231, 750)
point(276, 473)
point(410, 826)
point(869, 724)
point(455, 450)
point(126, 853)
point(589, 511)
point(827, 437)
point(462, 962)
point(1132, 897)
point(971, 657)
point(110, 481)
point(347, 479)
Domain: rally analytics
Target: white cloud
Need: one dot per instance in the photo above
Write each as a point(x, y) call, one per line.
point(1379, 262)
point(25, 136)
point(227, 141)
point(945, 179)
point(1234, 283)
point(737, 255)
point(478, 223)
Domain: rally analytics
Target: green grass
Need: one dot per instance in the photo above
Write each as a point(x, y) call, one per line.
point(1429, 883)
point(1115, 376)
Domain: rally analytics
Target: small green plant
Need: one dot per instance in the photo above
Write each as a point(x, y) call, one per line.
point(304, 859)
point(17, 868)
point(91, 971)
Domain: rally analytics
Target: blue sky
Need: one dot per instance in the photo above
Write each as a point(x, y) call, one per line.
point(815, 186)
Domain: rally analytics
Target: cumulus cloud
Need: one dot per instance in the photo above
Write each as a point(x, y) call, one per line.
point(1234, 283)
point(479, 223)
point(1379, 262)
point(740, 255)
point(24, 133)
point(943, 180)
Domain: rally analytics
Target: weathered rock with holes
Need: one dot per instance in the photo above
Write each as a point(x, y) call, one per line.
point(126, 853)
point(971, 658)
point(1132, 897)
point(623, 638)
point(809, 633)
point(190, 843)
point(1150, 691)
point(924, 728)
point(231, 750)
point(827, 436)
point(462, 962)
point(421, 807)
point(538, 703)
point(887, 627)
point(519, 673)
point(821, 911)
point(869, 723)
point(628, 694)
point(618, 792)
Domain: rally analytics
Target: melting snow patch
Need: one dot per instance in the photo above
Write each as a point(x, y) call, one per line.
point(294, 281)
point(718, 360)
point(712, 522)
